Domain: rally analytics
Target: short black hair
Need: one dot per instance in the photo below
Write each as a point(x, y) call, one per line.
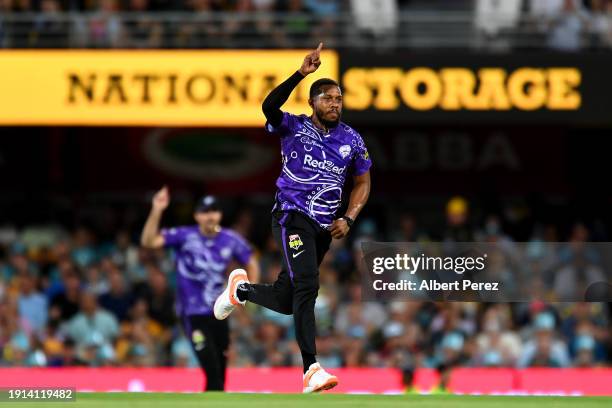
point(316, 87)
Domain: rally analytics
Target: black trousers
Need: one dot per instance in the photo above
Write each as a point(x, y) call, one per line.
point(303, 244)
point(209, 339)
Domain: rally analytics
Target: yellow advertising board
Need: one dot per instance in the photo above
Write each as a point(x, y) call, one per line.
point(149, 88)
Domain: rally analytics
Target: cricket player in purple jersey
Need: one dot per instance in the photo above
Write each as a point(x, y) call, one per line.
point(203, 254)
point(318, 153)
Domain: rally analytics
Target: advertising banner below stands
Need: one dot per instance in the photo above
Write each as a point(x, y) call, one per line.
point(533, 381)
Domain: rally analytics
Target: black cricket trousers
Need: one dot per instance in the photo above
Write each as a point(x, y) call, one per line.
point(209, 339)
point(303, 244)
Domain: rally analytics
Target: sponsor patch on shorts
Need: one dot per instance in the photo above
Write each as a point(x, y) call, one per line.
point(295, 242)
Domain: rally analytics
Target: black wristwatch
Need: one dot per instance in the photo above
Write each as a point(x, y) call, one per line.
point(349, 220)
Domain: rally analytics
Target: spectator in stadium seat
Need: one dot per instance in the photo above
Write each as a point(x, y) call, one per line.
point(572, 279)
point(5, 7)
point(297, 23)
point(586, 320)
point(585, 351)
point(326, 11)
point(65, 304)
point(269, 350)
point(17, 262)
point(378, 18)
point(104, 27)
point(607, 35)
point(370, 315)
point(354, 347)
point(182, 354)
point(266, 27)
point(457, 217)
point(544, 350)
point(69, 356)
point(323, 7)
point(142, 31)
point(202, 29)
point(492, 16)
point(50, 28)
point(96, 282)
point(598, 23)
point(52, 343)
point(546, 10)
point(92, 324)
point(16, 350)
point(83, 253)
point(144, 338)
point(496, 345)
point(119, 299)
point(158, 296)
point(566, 29)
point(123, 253)
point(32, 303)
point(14, 339)
point(328, 350)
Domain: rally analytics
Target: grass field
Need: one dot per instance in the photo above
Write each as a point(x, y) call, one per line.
point(152, 400)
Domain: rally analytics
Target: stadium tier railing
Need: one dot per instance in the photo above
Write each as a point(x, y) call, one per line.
point(404, 30)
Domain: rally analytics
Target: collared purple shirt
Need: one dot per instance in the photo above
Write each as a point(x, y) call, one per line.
point(315, 166)
point(201, 263)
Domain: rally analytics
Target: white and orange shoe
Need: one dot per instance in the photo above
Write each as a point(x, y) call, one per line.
point(316, 379)
point(228, 299)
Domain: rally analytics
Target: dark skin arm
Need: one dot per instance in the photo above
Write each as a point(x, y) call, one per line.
point(279, 95)
point(359, 196)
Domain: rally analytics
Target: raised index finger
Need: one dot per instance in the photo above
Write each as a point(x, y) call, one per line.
point(318, 50)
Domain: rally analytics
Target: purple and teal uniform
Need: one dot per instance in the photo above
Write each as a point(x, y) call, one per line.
point(201, 263)
point(315, 166)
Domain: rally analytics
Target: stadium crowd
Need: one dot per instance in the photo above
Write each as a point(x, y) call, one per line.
point(69, 298)
point(565, 25)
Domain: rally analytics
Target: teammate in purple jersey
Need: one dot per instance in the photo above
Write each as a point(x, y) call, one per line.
point(203, 254)
point(318, 153)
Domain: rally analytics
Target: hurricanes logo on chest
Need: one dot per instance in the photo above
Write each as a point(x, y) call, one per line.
point(344, 151)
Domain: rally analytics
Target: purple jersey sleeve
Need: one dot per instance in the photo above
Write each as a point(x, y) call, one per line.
point(242, 250)
point(361, 161)
point(285, 127)
point(174, 236)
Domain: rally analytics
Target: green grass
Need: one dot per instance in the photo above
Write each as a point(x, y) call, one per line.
point(155, 400)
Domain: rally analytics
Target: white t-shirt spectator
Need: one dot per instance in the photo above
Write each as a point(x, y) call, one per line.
point(495, 15)
point(376, 16)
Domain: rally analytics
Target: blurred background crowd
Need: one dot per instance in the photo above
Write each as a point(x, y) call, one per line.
point(80, 291)
point(80, 296)
point(565, 25)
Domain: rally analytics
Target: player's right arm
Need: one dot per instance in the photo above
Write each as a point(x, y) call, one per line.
point(279, 95)
point(151, 236)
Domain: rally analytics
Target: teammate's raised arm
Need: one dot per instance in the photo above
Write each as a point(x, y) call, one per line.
point(279, 95)
point(151, 238)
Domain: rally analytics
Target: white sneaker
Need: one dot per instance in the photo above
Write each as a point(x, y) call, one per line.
point(228, 299)
point(316, 379)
